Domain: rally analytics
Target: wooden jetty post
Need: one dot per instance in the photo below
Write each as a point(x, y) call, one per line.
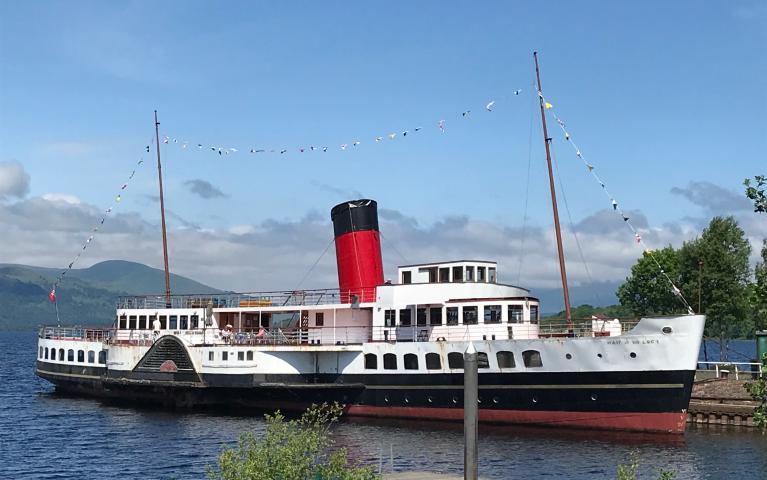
point(470, 413)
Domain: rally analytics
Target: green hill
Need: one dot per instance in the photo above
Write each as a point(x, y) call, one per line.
point(87, 296)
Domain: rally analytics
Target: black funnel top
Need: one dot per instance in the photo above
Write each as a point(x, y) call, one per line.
point(354, 216)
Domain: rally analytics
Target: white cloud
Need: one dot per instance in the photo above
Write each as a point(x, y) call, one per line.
point(61, 198)
point(14, 180)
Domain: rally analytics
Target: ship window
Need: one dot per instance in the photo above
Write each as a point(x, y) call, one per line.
point(492, 313)
point(432, 273)
point(411, 361)
point(480, 274)
point(371, 361)
point(505, 359)
point(163, 322)
point(184, 324)
point(515, 313)
point(150, 322)
point(53, 354)
point(420, 316)
point(532, 358)
point(407, 277)
point(469, 274)
point(91, 356)
point(404, 317)
point(46, 353)
point(241, 356)
point(482, 360)
point(103, 357)
point(224, 356)
point(132, 322)
point(81, 356)
point(194, 322)
point(470, 315)
point(123, 324)
point(319, 319)
point(435, 316)
point(433, 361)
point(249, 356)
point(444, 275)
point(389, 317)
point(142, 322)
point(390, 361)
point(61, 354)
point(491, 275)
point(452, 315)
point(40, 355)
point(172, 322)
point(211, 356)
point(533, 313)
point(70, 355)
point(455, 360)
point(458, 274)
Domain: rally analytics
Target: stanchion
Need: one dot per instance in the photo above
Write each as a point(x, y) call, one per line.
point(470, 413)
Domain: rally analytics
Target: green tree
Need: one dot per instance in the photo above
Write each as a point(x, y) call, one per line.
point(725, 278)
point(299, 449)
point(647, 291)
point(755, 192)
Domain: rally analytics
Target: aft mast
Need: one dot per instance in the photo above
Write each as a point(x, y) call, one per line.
point(560, 251)
point(162, 213)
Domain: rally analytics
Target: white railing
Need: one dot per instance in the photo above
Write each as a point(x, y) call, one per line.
point(723, 369)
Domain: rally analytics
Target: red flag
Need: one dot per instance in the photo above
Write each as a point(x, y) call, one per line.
point(52, 295)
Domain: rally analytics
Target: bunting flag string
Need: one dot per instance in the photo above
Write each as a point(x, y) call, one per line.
point(613, 202)
point(488, 107)
point(93, 231)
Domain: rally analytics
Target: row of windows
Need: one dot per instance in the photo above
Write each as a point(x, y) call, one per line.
point(470, 313)
point(46, 354)
point(241, 356)
point(505, 359)
point(459, 274)
point(166, 322)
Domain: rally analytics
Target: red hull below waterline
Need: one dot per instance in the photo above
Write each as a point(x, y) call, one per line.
point(625, 421)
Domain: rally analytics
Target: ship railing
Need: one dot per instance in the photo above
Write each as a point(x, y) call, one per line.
point(88, 334)
point(738, 369)
point(250, 299)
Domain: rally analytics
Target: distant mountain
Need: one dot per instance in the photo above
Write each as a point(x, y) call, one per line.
point(87, 296)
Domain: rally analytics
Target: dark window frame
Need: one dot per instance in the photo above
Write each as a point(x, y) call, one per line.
point(420, 316)
point(319, 319)
point(452, 316)
point(390, 318)
point(505, 359)
point(410, 361)
point(431, 358)
point(516, 314)
point(390, 361)
point(435, 319)
point(532, 359)
point(495, 311)
point(408, 314)
point(371, 361)
point(455, 360)
point(470, 311)
point(407, 277)
point(482, 360)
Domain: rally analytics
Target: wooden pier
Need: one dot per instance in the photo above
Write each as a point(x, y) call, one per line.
point(721, 401)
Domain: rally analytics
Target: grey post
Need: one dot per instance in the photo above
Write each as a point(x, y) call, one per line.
point(470, 393)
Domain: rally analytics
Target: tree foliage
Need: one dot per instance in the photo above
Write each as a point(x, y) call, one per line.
point(299, 449)
point(647, 291)
point(755, 192)
point(759, 291)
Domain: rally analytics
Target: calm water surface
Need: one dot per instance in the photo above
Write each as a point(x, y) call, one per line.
point(46, 436)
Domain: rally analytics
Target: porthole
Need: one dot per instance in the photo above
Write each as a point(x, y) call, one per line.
point(386, 398)
point(594, 397)
point(455, 399)
point(535, 399)
point(568, 356)
point(479, 400)
point(430, 399)
point(633, 355)
point(599, 355)
point(496, 400)
point(407, 399)
point(667, 330)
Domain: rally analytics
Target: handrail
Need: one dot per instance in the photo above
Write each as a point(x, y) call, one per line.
point(759, 370)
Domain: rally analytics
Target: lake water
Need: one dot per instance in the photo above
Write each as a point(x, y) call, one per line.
point(47, 436)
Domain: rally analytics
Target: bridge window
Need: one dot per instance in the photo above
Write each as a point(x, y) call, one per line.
point(433, 361)
point(91, 356)
point(470, 315)
point(452, 315)
point(132, 322)
point(249, 356)
point(515, 313)
point(184, 323)
point(40, 355)
point(444, 275)
point(389, 317)
point(469, 274)
point(480, 274)
point(225, 356)
point(532, 358)
point(53, 354)
point(411, 361)
point(482, 360)
point(241, 356)
point(458, 274)
point(390, 361)
point(407, 277)
point(455, 360)
point(103, 357)
point(492, 313)
point(172, 322)
point(123, 322)
point(81, 356)
point(211, 356)
point(533, 313)
point(70, 355)
point(61, 354)
point(194, 322)
point(319, 319)
point(420, 316)
point(371, 361)
point(491, 275)
point(404, 317)
point(505, 359)
point(46, 353)
point(435, 316)
point(163, 322)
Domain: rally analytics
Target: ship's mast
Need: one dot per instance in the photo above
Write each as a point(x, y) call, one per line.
point(162, 213)
point(560, 251)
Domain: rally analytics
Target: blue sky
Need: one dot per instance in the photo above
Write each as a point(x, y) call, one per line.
point(657, 94)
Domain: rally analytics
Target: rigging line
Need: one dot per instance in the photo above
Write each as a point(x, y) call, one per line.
point(315, 264)
point(572, 229)
point(391, 244)
point(527, 189)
